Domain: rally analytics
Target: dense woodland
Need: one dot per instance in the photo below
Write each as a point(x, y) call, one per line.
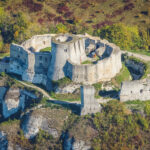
point(124, 22)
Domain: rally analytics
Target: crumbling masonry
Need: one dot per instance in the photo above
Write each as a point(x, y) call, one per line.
point(65, 59)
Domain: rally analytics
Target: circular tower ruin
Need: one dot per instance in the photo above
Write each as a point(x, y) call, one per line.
point(64, 47)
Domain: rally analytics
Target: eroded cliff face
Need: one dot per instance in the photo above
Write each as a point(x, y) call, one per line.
point(13, 100)
point(54, 122)
point(3, 141)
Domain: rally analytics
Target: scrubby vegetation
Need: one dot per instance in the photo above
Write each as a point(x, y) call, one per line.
point(21, 19)
point(47, 49)
point(119, 128)
point(124, 75)
point(126, 37)
point(66, 97)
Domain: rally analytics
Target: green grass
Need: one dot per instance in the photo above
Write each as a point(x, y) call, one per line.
point(2, 55)
point(97, 87)
point(87, 62)
point(137, 104)
point(47, 49)
point(124, 75)
point(93, 61)
point(117, 128)
point(65, 97)
point(143, 52)
point(62, 82)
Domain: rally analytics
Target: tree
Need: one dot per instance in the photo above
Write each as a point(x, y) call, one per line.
point(127, 37)
point(61, 28)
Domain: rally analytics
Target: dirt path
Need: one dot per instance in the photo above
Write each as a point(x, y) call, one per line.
point(47, 95)
point(140, 56)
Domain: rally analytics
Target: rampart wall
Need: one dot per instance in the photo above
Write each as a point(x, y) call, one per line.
point(135, 90)
point(65, 47)
point(38, 42)
point(65, 59)
point(103, 70)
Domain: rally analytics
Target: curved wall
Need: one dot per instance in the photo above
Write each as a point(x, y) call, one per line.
point(62, 50)
point(38, 42)
point(103, 70)
point(68, 52)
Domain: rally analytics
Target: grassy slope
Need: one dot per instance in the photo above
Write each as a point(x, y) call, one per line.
point(124, 75)
point(95, 12)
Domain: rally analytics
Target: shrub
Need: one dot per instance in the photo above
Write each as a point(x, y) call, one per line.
point(33, 7)
point(143, 122)
point(61, 28)
point(129, 6)
point(116, 129)
point(59, 19)
point(127, 37)
point(147, 109)
point(62, 8)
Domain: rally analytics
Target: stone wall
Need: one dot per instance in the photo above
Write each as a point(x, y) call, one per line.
point(31, 64)
point(89, 104)
point(65, 47)
point(38, 42)
point(135, 90)
point(68, 53)
point(4, 66)
point(103, 70)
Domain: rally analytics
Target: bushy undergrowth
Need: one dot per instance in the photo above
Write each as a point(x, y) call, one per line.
point(119, 129)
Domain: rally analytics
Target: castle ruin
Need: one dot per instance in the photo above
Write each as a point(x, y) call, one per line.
point(135, 90)
point(68, 52)
point(89, 105)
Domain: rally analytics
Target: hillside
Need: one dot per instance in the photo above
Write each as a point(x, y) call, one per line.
point(21, 19)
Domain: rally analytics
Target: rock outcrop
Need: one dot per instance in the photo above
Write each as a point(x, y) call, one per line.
point(80, 145)
point(67, 89)
point(43, 119)
point(3, 141)
point(31, 125)
point(13, 102)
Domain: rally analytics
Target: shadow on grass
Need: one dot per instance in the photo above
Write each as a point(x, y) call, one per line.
point(74, 107)
point(110, 94)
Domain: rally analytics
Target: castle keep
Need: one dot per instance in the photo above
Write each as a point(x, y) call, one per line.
point(66, 59)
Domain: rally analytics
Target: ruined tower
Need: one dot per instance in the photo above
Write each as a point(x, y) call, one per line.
point(89, 105)
point(64, 47)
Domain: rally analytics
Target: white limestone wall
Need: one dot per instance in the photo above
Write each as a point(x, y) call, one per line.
point(135, 90)
point(15, 67)
point(89, 104)
point(104, 70)
point(18, 52)
point(4, 67)
point(76, 51)
point(34, 78)
point(38, 42)
point(58, 61)
point(23, 62)
point(62, 51)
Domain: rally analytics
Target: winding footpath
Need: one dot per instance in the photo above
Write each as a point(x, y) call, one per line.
point(140, 56)
point(45, 94)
